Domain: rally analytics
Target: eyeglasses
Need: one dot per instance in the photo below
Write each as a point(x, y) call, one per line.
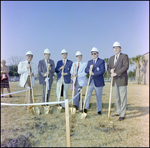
point(93, 53)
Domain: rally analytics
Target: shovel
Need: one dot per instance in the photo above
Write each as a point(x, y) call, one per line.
point(81, 100)
point(73, 109)
point(46, 108)
point(83, 115)
point(110, 99)
point(59, 108)
point(35, 110)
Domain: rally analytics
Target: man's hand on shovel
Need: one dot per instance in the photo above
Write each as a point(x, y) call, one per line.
point(62, 67)
point(31, 74)
point(28, 66)
point(90, 70)
point(113, 74)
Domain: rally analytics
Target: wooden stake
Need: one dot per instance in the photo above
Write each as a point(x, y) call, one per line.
point(67, 123)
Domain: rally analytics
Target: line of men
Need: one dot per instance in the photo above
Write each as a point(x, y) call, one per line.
point(118, 66)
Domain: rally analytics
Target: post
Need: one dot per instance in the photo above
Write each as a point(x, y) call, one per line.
point(67, 123)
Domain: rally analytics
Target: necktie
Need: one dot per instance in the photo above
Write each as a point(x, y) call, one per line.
point(64, 61)
point(94, 62)
point(78, 67)
point(30, 67)
point(116, 61)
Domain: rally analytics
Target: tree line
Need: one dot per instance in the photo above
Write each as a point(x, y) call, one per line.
point(131, 74)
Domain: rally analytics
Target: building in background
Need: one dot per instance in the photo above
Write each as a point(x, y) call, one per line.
point(144, 70)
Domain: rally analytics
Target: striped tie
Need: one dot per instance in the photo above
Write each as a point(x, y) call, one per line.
point(64, 61)
point(116, 61)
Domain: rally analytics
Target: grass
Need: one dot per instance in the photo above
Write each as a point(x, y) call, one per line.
point(94, 131)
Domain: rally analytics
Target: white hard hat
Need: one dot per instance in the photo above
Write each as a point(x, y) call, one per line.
point(63, 51)
point(46, 51)
point(94, 49)
point(116, 44)
point(78, 53)
point(29, 52)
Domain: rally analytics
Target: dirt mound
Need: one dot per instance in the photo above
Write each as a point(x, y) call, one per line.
point(20, 141)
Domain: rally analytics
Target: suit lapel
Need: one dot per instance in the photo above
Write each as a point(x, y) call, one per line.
point(113, 61)
point(44, 64)
point(118, 60)
point(97, 62)
point(66, 62)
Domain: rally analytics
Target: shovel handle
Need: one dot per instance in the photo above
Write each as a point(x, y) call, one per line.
point(48, 66)
point(31, 84)
point(110, 98)
point(87, 89)
point(61, 84)
point(81, 100)
point(74, 66)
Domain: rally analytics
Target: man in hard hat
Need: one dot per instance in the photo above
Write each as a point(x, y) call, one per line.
point(64, 65)
point(23, 70)
point(118, 66)
point(79, 77)
point(42, 70)
point(96, 81)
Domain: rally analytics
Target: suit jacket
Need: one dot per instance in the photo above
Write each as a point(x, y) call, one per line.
point(67, 68)
point(98, 70)
point(82, 80)
point(121, 68)
point(42, 69)
point(24, 72)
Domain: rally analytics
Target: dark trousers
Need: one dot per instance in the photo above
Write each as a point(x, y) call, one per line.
point(44, 89)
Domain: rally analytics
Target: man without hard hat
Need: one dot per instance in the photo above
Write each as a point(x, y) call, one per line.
point(118, 66)
point(96, 80)
point(25, 69)
point(46, 68)
point(64, 65)
point(79, 78)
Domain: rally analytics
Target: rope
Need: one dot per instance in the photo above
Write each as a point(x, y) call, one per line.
point(58, 102)
point(15, 92)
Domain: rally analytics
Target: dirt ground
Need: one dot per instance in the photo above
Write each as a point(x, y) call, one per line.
point(94, 131)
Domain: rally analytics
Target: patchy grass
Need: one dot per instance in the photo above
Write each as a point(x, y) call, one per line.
point(94, 131)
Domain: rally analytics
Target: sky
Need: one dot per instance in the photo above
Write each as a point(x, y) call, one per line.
point(74, 26)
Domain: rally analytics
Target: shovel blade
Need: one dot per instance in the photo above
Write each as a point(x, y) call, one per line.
point(73, 110)
point(59, 108)
point(35, 110)
point(45, 110)
point(83, 115)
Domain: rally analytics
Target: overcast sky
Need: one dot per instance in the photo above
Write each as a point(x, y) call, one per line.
point(73, 25)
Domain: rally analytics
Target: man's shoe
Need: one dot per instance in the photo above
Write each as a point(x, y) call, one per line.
point(85, 110)
point(58, 105)
point(75, 107)
point(115, 115)
point(121, 118)
point(100, 113)
point(10, 96)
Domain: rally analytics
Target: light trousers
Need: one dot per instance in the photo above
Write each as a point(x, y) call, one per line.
point(65, 92)
point(28, 84)
point(76, 101)
point(120, 96)
point(99, 92)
